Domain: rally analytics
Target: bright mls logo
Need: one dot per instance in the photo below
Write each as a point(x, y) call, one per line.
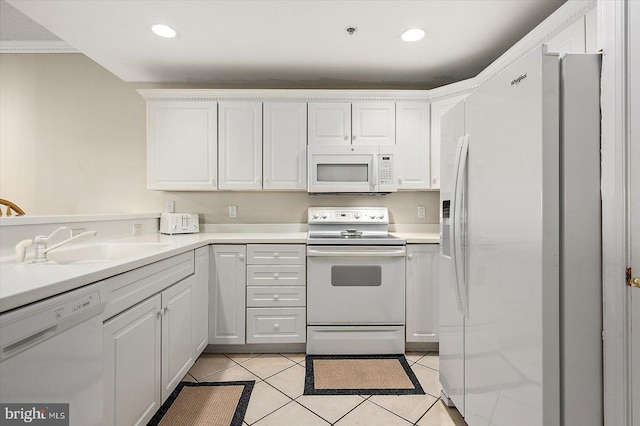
point(517, 81)
point(36, 414)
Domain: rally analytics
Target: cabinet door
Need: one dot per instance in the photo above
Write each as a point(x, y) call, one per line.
point(374, 123)
point(422, 292)
point(200, 292)
point(177, 349)
point(412, 145)
point(438, 108)
point(329, 123)
point(132, 364)
point(182, 145)
point(570, 40)
point(227, 294)
point(240, 145)
point(285, 145)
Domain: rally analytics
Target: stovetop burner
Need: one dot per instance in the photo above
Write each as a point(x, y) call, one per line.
point(350, 226)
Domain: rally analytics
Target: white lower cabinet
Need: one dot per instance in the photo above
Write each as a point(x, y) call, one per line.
point(227, 294)
point(276, 293)
point(422, 292)
point(200, 293)
point(150, 346)
point(276, 325)
point(177, 350)
point(148, 350)
point(132, 364)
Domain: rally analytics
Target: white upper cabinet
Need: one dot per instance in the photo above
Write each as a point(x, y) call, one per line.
point(412, 145)
point(182, 145)
point(374, 123)
point(329, 123)
point(285, 146)
point(357, 123)
point(240, 145)
point(438, 108)
point(571, 39)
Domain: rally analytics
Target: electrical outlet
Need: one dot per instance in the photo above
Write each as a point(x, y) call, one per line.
point(136, 229)
point(169, 206)
point(422, 212)
point(233, 211)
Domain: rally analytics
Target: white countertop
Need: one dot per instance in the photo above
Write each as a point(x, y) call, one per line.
point(26, 283)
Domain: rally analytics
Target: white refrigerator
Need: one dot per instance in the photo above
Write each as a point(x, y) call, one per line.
point(520, 284)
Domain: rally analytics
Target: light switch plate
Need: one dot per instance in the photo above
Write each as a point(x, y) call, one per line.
point(169, 206)
point(233, 211)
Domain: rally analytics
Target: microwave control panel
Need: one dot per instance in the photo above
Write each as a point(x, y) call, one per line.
point(385, 169)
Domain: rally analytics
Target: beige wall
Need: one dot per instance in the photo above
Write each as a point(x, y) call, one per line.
point(73, 141)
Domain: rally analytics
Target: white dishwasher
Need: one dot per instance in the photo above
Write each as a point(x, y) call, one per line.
point(51, 353)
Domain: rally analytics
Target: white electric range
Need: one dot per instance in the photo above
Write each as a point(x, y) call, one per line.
point(355, 282)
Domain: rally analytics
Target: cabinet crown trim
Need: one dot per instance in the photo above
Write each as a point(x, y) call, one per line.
point(565, 15)
point(280, 95)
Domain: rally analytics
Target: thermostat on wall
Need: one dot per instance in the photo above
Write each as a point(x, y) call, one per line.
point(179, 223)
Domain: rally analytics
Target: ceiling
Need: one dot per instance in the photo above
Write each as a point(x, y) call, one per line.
point(300, 43)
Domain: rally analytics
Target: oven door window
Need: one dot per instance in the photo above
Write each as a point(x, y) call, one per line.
point(356, 276)
point(349, 173)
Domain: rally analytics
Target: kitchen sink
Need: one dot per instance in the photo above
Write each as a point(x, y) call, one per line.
point(103, 252)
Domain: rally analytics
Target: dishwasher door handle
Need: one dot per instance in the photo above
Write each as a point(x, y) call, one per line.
point(356, 253)
point(27, 342)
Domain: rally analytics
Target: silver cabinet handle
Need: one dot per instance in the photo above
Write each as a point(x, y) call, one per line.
point(410, 256)
point(276, 297)
point(276, 275)
point(241, 257)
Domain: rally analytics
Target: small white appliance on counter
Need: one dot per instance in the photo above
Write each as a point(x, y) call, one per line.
point(179, 223)
point(365, 169)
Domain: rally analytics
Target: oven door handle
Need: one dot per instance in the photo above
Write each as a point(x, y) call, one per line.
point(356, 253)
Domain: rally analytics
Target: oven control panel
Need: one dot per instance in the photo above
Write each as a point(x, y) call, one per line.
point(346, 215)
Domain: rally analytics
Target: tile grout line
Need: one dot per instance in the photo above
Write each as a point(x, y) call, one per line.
point(425, 413)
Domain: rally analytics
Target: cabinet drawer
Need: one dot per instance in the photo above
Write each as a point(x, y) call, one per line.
point(276, 325)
point(276, 275)
point(125, 290)
point(276, 297)
point(276, 254)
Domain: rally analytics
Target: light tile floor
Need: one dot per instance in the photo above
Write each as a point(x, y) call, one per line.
point(277, 397)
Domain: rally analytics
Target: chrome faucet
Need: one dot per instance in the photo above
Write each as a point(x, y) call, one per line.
point(40, 242)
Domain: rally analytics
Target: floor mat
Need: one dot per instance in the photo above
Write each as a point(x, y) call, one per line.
point(207, 403)
point(360, 375)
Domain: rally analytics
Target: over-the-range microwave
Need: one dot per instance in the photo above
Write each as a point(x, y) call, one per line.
point(365, 169)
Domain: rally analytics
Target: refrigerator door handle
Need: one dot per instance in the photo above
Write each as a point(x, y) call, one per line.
point(457, 230)
point(452, 228)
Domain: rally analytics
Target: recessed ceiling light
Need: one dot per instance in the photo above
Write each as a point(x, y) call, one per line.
point(413, 34)
point(164, 31)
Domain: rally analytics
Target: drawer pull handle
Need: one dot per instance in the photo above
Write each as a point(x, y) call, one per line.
point(276, 254)
point(276, 297)
point(276, 326)
point(276, 276)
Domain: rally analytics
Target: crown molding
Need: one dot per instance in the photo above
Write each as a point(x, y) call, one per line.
point(282, 95)
point(40, 46)
point(564, 16)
